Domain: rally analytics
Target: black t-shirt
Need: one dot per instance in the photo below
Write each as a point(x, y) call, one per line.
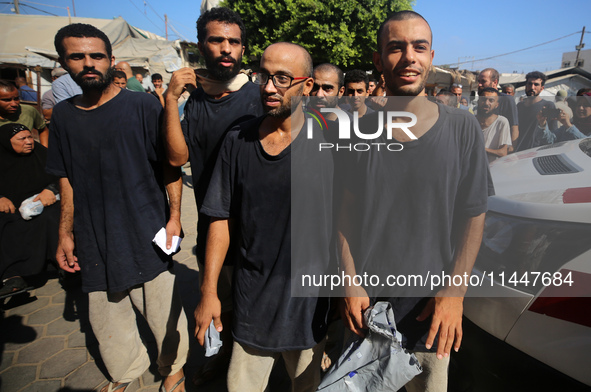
point(408, 202)
point(205, 122)
point(112, 156)
point(508, 109)
point(256, 189)
point(528, 121)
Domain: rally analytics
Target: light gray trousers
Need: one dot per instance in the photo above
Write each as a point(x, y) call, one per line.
point(114, 324)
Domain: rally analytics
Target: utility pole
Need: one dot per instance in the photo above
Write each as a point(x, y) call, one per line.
point(74, 7)
point(166, 25)
point(580, 46)
point(16, 9)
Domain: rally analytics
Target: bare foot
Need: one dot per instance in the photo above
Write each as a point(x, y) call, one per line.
point(170, 382)
point(115, 386)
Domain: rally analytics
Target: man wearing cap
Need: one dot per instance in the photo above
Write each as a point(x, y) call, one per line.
point(560, 103)
point(48, 100)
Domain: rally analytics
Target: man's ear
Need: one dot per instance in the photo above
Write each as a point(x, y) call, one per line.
point(112, 61)
point(308, 85)
point(377, 61)
point(341, 91)
point(200, 48)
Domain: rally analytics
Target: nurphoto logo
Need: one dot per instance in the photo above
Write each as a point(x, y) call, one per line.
point(346, 120)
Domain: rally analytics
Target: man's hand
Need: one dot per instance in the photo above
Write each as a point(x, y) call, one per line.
point(173, 227)
point(541, 119)
point(179, 80)
point(47, 197)
point(65, 253)
point(564, 119)
point(447, 320)
point(6, 205)
point(209, 308)
point(352, 308)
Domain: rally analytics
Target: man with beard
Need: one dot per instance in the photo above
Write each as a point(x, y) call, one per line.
point(114, 179)
point(251, 188)
point(329, 86)
point(417, 211)
point(489, 77)
point(226, 98)
point(495, 128)
point(529, 110)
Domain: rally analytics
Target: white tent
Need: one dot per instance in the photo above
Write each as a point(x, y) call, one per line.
point(28, 41)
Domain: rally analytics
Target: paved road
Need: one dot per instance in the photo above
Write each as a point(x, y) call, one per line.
point(46, 343)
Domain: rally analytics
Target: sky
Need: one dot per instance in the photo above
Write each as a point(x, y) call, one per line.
point(464, 31)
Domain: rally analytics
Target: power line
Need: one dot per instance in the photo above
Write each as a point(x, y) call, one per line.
point(153, 10)
point(45, 5)
point(519, 50)
point(37, 9)
point(146, 16)
point(186, 29)
point(162, 19)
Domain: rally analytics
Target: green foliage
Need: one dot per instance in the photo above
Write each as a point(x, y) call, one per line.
point(339, 32)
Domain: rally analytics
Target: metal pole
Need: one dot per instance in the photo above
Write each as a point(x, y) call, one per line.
point(16, 9)
point(166, 25)
point(579, 47)
point(37, 70)
point(74, 7)
point(69, 17)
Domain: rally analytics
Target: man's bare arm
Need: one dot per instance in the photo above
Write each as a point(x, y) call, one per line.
point(210, 307)
point(173, 182)
point(355, 299)
point(176, 147)
point(44, 136)
point(514, 136)
point(447, 306)
point(65, 248)
point(500, 152)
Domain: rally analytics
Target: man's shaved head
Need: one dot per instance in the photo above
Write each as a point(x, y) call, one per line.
point(307, 62)
point(331, 68)
point(398, 16)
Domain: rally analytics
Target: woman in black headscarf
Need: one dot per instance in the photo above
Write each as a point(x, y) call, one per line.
point(25, 245)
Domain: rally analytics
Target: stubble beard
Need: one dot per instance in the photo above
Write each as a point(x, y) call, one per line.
point(400, 91)
point(284, 110)
point(329, 102)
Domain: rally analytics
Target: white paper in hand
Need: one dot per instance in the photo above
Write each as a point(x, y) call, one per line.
point(160, 240)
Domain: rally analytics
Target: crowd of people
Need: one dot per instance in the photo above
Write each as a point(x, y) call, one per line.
point(116, 145)
point(533, 122)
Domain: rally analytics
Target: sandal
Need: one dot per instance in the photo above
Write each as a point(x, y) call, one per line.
point(111, 388)
point(179, 382)
point(13, 286)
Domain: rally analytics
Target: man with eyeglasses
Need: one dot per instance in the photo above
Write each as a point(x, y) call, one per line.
point(253, 187)
point(225, 98)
